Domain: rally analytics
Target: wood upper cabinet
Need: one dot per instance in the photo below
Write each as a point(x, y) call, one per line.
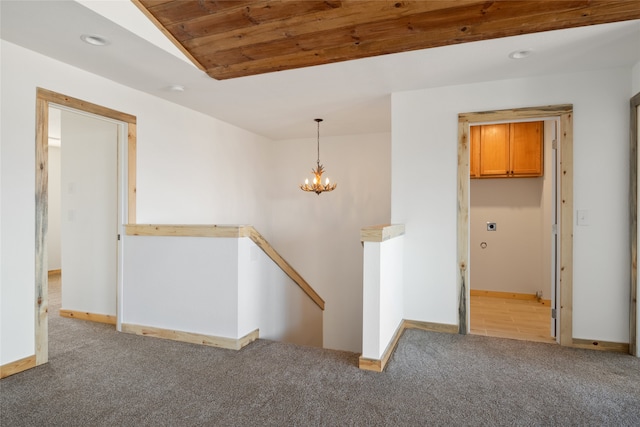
point(474, 153)
point(507, 150)
point(527, 148)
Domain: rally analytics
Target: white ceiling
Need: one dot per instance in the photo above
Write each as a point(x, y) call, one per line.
point(353, 97)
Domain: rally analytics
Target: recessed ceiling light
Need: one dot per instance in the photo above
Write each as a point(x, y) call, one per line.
point(94, 40)
point(520, 54)
point(176, 88)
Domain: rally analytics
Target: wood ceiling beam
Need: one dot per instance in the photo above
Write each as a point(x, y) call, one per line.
point(351, 15)
point(239, 38)
point(414, 31)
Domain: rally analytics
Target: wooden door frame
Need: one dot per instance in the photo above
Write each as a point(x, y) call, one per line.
point(43, 99)
point(633, 218)
point(565, 176)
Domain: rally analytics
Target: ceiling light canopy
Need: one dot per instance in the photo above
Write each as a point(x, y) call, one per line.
point(317, 186)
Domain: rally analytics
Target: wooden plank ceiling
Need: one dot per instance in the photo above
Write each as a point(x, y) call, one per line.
point(230, 39)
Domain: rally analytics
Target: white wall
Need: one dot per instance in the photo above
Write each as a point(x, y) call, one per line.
point(269, 300)
point(182, 283)
point(635, 86)
point(191, 168)
point(511, 260)
point(221, 287)
point(319, 235)
point(53, 245)
point(424, 168)
point(382, 295)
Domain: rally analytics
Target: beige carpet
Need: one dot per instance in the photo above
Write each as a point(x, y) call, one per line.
point(99, 377)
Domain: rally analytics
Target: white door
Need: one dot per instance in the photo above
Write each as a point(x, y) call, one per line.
point(89, 213)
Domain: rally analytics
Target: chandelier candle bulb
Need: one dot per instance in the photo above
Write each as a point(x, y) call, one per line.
point(317, 186)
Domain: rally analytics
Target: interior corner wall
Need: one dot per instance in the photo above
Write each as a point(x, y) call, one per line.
point(198, 170)
point(319, 235)
point(191, 168)
point(272, 302)
point(424, 190)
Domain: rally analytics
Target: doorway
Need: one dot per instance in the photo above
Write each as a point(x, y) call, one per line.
point(512, 242)
point(564, 115)
point(126, 200)
point(83, 213)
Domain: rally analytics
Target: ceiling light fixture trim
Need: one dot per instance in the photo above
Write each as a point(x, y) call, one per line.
point(95, 40)
point(520, 54)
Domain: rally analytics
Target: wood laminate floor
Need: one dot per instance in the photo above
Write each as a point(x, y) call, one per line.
point(55, 292)
point(527, 320)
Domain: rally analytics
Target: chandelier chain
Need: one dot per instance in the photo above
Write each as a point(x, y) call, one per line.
point(318, 141)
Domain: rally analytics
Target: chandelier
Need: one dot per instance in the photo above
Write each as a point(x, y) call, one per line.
point(316, 186)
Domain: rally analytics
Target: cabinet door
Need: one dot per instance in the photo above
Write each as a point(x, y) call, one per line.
point(526, 149)
point(494, 150)
point(474, 151)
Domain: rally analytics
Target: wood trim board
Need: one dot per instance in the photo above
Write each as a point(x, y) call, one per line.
point(18, 366)
point(633, 217)
point(566, 228)
point(92, 317)
point(565, 114)
point(41, 231)
point(430, 326)
point(380, 233)
point(507, 295)
point(209, 340)
point(196, 230)
point(464, 149)
point(79, 104)
point(260, 241)
point(378, 365)
point(616, 347)
point(44, 98)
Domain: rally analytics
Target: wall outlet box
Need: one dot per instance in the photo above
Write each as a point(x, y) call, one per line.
point(583, 217)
